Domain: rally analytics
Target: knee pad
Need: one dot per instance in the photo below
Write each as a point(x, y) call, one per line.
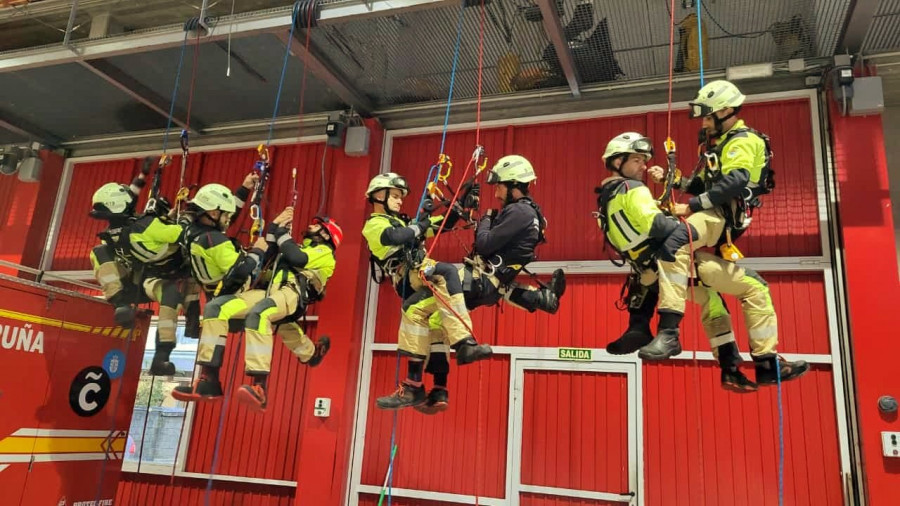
point(450, 275)
point(214, 307)
point(254, 317)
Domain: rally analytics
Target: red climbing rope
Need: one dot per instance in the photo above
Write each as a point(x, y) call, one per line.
point(671, 67)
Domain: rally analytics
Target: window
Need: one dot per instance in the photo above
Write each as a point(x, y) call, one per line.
point(164, 416)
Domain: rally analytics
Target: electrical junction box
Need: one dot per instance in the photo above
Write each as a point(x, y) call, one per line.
point(890, 444)
point(357, 141)
point(868, 96)
point(334, 131)
point(322, 407)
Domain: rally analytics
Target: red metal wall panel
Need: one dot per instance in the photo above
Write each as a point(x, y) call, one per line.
point(372, 500)
point(867, 231)
point(547, 500)
point(736, 461)
point(150, 490)
point(441, 453)
point(25, 213)
point(251, 444)
point(575, 430)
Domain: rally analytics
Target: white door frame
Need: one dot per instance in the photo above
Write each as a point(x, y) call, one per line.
point(635, 425)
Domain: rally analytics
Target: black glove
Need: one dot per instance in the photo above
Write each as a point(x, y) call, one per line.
point(472, 198)
point(275, 230)
point(425, 213)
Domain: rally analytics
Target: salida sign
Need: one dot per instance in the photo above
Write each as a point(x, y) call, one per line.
point(64, 371)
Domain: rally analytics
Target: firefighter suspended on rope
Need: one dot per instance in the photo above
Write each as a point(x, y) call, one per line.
point(397, 252)
point(139, 260)
point(505, 243)
point(217, 264)
point(735, 174)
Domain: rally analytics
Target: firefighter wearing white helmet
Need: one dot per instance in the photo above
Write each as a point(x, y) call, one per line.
point(505, 244)
point(217, 263)
point(725, 193)
point(146, 245)
point(397, 251)
point(115, 203)
point(641, 234)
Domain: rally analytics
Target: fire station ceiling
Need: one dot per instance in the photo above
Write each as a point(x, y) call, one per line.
point(116, 77)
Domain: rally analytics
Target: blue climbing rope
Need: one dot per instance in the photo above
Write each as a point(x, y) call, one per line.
point(459, 21)
point(287, 53)
point(175, 92)
point(700, 43)
point(780, 437)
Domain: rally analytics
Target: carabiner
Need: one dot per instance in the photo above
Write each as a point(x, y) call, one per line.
point(445, 167)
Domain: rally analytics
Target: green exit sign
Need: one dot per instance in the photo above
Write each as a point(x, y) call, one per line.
point(574, 354)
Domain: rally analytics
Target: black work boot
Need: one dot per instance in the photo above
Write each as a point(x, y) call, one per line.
point(468, 350)
point(635, 338)
point(663, 346)
point(438, 400)
point(767, 374)
point(323, 344)
point(124, 316)
point(160, 365)
point(408, 394)
point(192, 320)
point(732, 377)
point(557, 283)
point(735, 381)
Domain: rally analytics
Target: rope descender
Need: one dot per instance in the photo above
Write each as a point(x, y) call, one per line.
point(262, 165)
point(673, 176)
point(476, 155)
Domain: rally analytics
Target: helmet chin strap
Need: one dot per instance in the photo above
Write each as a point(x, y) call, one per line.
point(720, 122)
point(383, 202)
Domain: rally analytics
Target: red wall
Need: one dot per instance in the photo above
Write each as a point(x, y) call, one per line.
point(740, 458)
point(24, 223)
point(866, 225)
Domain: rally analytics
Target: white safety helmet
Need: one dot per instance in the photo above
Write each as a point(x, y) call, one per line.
point(716, 96)
point(113, 198)
point(512, 169)
point(386, 181)
point(626, 143)
point(213, 196)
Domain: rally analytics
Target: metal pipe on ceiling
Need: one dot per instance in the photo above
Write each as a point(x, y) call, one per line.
point(71, 24)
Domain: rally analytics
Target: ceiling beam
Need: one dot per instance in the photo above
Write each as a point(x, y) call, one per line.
point(25, 129)
point(242, 25)
point(554, 29)
point(327, 75)
point(134, 89)
point(857, 25)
